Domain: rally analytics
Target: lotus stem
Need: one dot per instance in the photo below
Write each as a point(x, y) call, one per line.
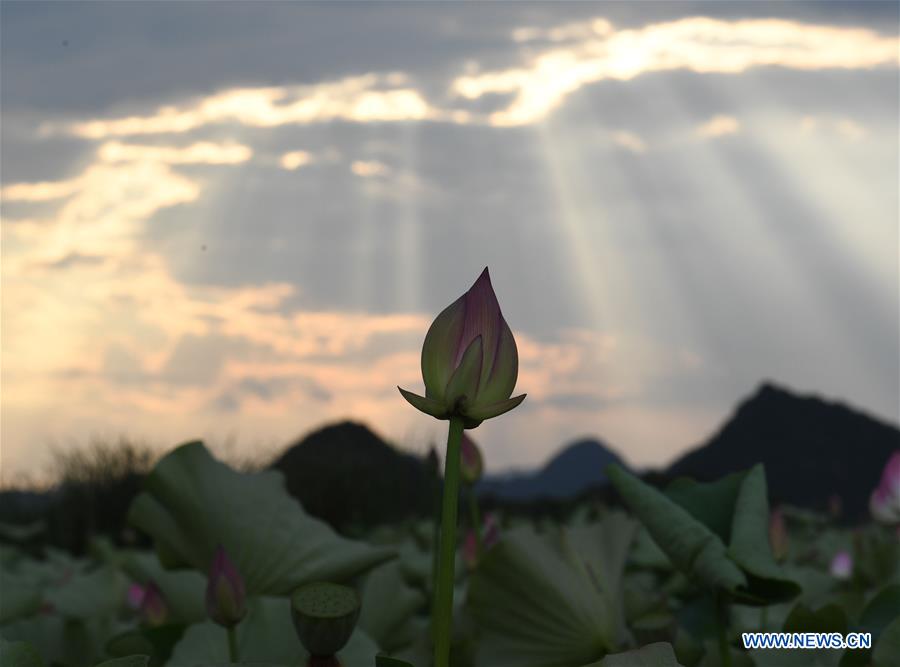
point(232, 643)
point(443, 610)
point(722, 627)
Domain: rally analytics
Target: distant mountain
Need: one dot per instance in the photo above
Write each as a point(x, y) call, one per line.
point(812, 449)
point(572, 471)
point(345, 474)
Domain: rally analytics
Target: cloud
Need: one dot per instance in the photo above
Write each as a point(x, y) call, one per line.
point(844, 127)
point(36, 192)
point(629, 141)
point(369, 168)
point(295, 159)
point(698, 44)
point(718, 126)
point(366, 98)
point(203, 152)
point(563, 33)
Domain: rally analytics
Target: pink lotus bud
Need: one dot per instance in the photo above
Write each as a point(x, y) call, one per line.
point(471, 462)
point(135, 596)
point(884, 502)
point(470, 549)
point(778, 535)
point(226, 596)
point(490, 535)
point(153, 606)
point(842, 565)
point(469, 360)
point(490, 531)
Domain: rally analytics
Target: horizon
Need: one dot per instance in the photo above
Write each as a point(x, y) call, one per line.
point(273, 453)
point(237, 225)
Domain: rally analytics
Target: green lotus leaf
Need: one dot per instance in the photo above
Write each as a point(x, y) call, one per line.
point(127, 661)
point(192, 503)
point(89, 595)
point(660, 654)
point(19, 654)
point(389, 607)
point(553, 599)
point(887, 648)
point(690, 544)
point(716, 533)
point(21, 597)
point(881, 610)
point(386, 661)
point(183, 591)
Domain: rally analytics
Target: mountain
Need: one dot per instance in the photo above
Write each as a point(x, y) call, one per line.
point(344, 474)
point(573, 470)
point(812, 449)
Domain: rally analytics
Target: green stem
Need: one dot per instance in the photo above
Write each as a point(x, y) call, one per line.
point(722, 627)
point(476, 523)
point(435, 551)
point(232, 644)
point(764, 619)
point(443, 610)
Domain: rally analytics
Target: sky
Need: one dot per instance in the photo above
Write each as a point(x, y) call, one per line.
point(236, 221)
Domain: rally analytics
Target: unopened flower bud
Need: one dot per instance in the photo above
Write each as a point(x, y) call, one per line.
point(885, 500)
point(226, 597)
point(469, 360)
point(153, 607)
point(471, 461)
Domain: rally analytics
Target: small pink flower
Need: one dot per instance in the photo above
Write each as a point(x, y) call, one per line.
point(225, 593)
point(153, 606)
point(884, 503)
point(490, 530)
point(135, 596)
point(842, 565)
point(470, 549)
point(490, 535)
point(471, 462)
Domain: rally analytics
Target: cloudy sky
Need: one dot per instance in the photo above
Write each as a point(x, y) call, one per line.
point(236, 220)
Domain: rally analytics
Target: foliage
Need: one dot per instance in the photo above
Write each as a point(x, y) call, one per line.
point(599, 588)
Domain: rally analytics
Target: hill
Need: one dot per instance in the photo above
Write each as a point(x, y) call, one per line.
point(569, 473)
point(812, 449)
point(344, 473)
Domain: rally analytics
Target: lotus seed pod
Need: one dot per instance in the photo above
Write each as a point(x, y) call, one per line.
point(324, 616)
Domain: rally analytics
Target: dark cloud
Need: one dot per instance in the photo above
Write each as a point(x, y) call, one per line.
point(92, 56)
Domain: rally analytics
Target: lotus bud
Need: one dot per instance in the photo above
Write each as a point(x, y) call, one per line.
point(324, 616)
point(778, 535)
point(153, 606)
point(226, 597)
point(841, 565)
point(491, 531)
point(469, 360)
point(490, 537)
point(884, 502)
point(134, 597)
point(471, 461)
point(470, 549)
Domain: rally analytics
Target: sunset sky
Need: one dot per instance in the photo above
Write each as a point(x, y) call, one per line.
point(235, 221)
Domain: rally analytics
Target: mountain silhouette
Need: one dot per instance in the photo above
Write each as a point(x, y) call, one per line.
point(570, 472)
point(813, 450)
point(345, 474)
